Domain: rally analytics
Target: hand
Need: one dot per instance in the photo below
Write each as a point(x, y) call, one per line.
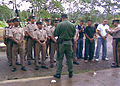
point(18, 42)
point(75, 41)
point(106, 29)
point(103, 38)
point(91, 40)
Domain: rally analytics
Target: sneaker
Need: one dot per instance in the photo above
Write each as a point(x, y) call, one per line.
point(106, 59)
point(14, 69)
point(76, 63)
point(17, 63)
point(97, 60)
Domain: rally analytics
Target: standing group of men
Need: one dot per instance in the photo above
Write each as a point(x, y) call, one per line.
point(63, 37)
point(38, 38)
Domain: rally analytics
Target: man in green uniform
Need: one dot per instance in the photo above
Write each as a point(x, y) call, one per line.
point(65, 31)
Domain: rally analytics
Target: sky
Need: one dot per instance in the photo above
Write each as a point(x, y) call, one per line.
point(25, 5)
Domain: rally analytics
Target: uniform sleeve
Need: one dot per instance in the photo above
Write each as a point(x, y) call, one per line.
point(4, 31)
point(57, 31)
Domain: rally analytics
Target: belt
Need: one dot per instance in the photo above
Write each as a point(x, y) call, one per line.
point(66, 39)
point(42, 41)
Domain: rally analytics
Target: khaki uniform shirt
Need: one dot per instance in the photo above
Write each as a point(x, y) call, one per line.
point(41, 34)
point(48, 30)
point(116, 33)
point(31, 28)
point(18, 33)
point(8, 31)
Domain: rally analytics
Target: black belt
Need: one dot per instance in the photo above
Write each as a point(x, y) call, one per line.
point(66, 39)
point(42, 41)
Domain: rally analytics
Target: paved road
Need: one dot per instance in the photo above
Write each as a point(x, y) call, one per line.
point(6, 74)
point(109, 77)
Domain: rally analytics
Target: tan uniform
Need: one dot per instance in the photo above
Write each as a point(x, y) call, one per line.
point(40, 35)
point(75, 46)
point(52, 45)
point(7, 32)
point(30, 28)
point(116, 45)
point(47, 28)
point(18, 33)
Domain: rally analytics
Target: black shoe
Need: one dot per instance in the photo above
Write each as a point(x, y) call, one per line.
point(17, 63)
point(52, 66)
point(10, 64)
point(57, 76)
point(14, 69)
point(45, 67)
point(23, 69)
point(29, 62)
point(70, 74)
point(36, 67)
point(39, 62)
point(76, 63)
point(114, 66)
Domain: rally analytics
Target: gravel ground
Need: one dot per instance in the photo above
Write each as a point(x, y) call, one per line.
point(6, 74)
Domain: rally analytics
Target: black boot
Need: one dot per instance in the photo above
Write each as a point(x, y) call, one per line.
point(70, 74)
point(24, 69)
point(36, 67)
point(57, 76)
point(14, 69)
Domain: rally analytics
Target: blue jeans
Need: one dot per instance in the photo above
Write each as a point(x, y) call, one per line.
point(102, 42)
point(79, 52)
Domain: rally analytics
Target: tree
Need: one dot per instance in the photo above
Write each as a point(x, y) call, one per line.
point(5, 13)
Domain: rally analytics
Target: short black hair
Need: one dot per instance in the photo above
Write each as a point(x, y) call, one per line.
point(117, 21)
point(63, 15)
point(82, 21)
point(16, 20)
point(89, 20)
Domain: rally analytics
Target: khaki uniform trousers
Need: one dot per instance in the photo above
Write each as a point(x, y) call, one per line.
point(116, 51)
point(40, 49)
point(15, 49)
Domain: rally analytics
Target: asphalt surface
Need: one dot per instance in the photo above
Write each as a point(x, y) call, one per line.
point(6, 74)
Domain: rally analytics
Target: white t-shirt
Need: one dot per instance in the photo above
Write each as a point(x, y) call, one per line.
point(102, 28)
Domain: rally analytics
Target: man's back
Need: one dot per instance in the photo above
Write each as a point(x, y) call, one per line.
point(65, 30)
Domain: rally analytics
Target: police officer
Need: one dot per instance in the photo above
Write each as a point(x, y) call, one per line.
point(53, 42)
point(18, 37)
point(65, 31)
point(8, 41)
point(30, 28)
point(26, 38)
point(40, 45)
point(75, 60)
point(116, 43)
point(47, 28)
point(89, 42)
